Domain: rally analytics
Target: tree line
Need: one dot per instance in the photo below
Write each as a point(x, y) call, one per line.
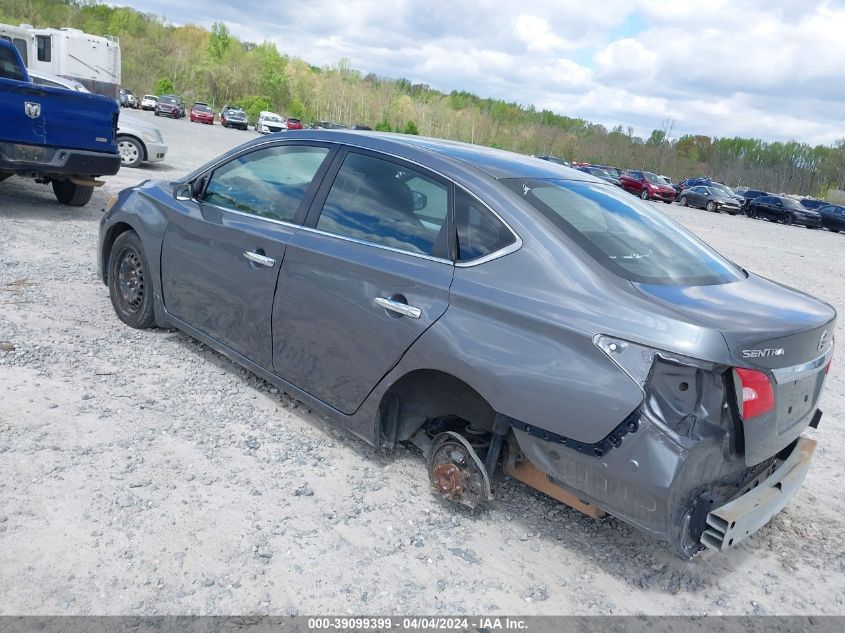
point(216, 67)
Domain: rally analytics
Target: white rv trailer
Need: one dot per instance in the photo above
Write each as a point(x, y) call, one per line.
point(92, 60)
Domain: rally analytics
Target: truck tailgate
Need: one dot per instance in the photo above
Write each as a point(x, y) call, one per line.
point(54, 117)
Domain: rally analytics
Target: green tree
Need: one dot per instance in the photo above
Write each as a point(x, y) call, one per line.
point(164, 87)
point(411, 128)
point(220, 40)
point(382, 126)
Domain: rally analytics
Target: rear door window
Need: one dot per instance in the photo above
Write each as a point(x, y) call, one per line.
point(387, 203)
point(269, 183)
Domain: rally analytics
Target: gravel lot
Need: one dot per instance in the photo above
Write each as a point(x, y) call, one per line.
point(142, 472)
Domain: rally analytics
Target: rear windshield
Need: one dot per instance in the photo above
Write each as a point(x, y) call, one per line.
point(628, 237)
point(10, 68)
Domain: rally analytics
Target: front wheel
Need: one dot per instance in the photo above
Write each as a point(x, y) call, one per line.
point(130, 289)
point(71, 194)
point(711, 206)
point(130, 150)
point(644, 194)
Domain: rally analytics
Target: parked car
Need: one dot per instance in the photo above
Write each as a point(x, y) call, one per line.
point(201, 113)
point(613, 171)
point(269, 122)
point(784, 210)
point(694, 182)
point(231, 116)
point(833, 217)
point(169, 105)
point(710, 198)
point(137, 141)
point(462, 298)
point(328, 125)
point(729, 192)
point(599, 173)
point(554, 159)
point(54, 81)
point(128, 99)
point(75, 148)
point(812, 203)
point(647, 186)
point(149, 102)
point(292, 123)
point(749, 195)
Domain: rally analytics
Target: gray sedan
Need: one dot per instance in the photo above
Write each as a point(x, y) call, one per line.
point(710, 198)
point(500, 312)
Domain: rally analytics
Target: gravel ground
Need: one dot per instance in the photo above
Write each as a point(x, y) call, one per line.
point(144, 473)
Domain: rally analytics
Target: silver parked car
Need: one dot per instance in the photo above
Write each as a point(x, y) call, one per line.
point(498, 311)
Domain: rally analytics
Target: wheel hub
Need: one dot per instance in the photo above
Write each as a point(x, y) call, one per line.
point(130, 281)
point(456, 472)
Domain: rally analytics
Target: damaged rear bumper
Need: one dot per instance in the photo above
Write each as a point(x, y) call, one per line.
point(734, 521)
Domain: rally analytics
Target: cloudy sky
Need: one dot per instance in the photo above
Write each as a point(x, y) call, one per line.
point(773, 69)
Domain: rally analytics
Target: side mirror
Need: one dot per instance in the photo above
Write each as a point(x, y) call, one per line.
point(420, 201)
point(184, 192)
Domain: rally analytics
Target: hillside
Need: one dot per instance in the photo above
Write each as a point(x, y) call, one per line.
point(215, 66)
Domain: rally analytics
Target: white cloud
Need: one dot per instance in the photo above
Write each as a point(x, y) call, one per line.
point(773, 69)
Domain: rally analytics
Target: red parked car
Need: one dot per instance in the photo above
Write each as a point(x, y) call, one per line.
point(201, 113)
point(647, 186)
point(293, 124)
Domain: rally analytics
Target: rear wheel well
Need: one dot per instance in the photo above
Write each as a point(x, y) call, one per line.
point(427, 394)
point(108, 242)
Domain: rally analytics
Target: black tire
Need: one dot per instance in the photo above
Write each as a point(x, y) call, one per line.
point(130, 285)
point(131, 151)
point(644, 194)
point(788, 219)
point(711, 206)
point(684, 202)
point(668, 201)
point(71, 194)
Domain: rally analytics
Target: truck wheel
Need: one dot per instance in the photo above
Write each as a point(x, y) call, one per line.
point(131, 151)
point(130, 282)
point(72, 194)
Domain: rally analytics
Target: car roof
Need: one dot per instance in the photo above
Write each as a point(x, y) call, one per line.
point(496, 163)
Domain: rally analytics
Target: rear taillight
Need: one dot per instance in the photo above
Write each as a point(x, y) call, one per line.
point(758, 397)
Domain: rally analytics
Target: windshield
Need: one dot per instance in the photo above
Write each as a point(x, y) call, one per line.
point(273, 117)
point(653, 178)
point(717, 188)
point(151, 97)
point(791, 204)
point(201, 107)
point(629, 237)
point(235, 112)
point(166, 99)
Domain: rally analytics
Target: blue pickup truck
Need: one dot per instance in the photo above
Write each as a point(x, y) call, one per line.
point(56, 136)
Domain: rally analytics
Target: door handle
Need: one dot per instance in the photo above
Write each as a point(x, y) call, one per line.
point(398, 307)
point(258, 258)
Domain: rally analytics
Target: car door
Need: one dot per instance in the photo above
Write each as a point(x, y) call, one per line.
point(366, 276)
point(695, 196)
point(222, 250)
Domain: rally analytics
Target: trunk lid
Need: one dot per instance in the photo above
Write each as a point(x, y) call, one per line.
point(772, 328)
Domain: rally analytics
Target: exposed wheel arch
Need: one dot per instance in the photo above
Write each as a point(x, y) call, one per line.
point(108, 241)
point(424, 394)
